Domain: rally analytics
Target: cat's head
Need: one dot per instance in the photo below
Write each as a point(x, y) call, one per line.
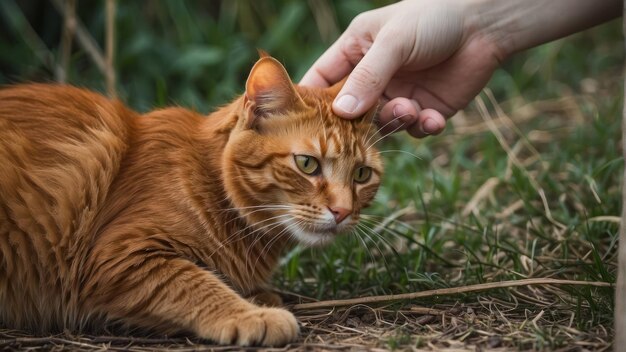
point(294, 168)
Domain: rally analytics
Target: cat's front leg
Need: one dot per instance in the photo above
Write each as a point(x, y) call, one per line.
point(173, 294)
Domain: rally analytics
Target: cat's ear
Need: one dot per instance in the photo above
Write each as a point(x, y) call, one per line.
point(262, 53)
point(335, 88)
point(269, 90)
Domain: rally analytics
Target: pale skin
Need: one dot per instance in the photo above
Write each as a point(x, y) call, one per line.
point(425, 60)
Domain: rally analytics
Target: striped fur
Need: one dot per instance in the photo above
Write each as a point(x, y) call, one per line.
point(166, 221)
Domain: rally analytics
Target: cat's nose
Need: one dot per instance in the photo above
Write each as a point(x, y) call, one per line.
point(339, 213)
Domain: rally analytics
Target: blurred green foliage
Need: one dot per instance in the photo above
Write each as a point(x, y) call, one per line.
point(191, 53)
point(198, 53)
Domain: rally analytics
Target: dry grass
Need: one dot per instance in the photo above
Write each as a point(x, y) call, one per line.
point(534, 319)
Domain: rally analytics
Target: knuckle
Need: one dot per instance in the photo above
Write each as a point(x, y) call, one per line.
point(360, 20)
point(366, 76)
point(389, 36)
point(351, 46)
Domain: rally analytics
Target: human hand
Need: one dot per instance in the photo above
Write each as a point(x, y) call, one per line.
point(428, 59)
point(425, 59)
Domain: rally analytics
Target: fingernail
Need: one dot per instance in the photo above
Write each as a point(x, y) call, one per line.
point(430, 126)
point(347, 103)
point(399, 110)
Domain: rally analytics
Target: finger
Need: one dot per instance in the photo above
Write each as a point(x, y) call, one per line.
point(398, 114)
point(329, 68)
point(368, 80)
point(429, 122)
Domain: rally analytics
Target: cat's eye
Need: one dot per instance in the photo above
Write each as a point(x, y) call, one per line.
point(362, 174)
point(307, 164)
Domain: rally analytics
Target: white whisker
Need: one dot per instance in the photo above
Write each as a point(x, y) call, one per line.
point(383, 136)
point(380, 129)
point(258, 210)
point(233, 237)
point(272, 241)
point(356, 234)
point(399, 151)
point(382, 238)
point(249, 269)
point(363, 231)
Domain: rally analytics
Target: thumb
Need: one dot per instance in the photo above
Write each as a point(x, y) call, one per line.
point(367, 81)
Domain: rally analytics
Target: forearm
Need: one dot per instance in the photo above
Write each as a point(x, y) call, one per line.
point(518, 25)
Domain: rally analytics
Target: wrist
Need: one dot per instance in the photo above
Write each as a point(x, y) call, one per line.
point(492, 22)
point(513, 26)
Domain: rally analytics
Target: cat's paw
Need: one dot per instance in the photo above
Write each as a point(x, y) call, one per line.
point(259, 326)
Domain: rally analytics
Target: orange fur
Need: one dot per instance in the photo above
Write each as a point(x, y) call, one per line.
point(165, 221)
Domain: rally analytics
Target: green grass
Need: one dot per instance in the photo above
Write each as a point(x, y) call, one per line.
point(562, 103)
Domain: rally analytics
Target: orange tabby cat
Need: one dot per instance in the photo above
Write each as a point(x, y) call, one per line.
point(166, 221)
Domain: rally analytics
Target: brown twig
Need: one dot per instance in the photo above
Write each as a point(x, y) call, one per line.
point(110, 47)
point(69, 27)
point(620, 292)
point(38, 341)
point(447, 291)
point(325, 19)
point(84, 39)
